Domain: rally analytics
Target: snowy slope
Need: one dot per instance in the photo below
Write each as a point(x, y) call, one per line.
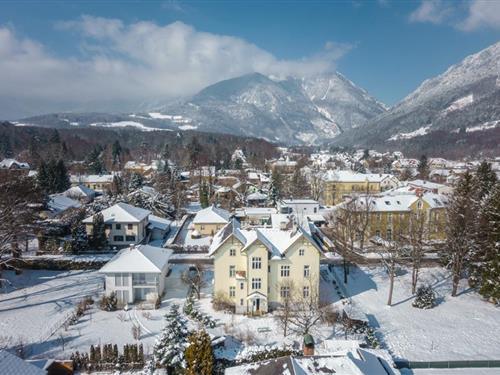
point(467, 95)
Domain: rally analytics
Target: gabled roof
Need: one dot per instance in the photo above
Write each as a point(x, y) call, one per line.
point(8, 163)
point(122, 213)
point(92, 178)
point(211, 215)
point(138, 258)
point(11, 365)
point(59, 203)
point(79, 191)
point(277, 241)
point(351, 176)
point(159, 222)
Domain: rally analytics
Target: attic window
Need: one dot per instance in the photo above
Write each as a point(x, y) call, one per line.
point(437, 202)
point(398, 202)
point(388, 203)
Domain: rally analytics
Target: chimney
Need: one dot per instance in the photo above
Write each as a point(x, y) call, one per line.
point(308, 345)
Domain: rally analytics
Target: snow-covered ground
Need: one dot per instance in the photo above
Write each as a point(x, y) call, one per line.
point(458, 328)
point(36, 303)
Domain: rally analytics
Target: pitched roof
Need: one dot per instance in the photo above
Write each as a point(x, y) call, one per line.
point(139, 258)
point(59, 202)
point(13, 365)
point(350, 176)
point(277, 241)
point(79, 191)
point(122, 213)
point(8, 163)
point(212, 214)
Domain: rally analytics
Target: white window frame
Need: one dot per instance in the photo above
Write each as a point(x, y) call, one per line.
point(307, 270)
point(256, 263)
point(285, 291)
point(232, 291)
point(232, 271)
point(306, 292)
point(285, 271)
point(302, 252)
point(256, 283)
point(232, 252)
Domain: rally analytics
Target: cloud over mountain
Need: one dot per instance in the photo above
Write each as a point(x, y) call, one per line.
point(124, 64)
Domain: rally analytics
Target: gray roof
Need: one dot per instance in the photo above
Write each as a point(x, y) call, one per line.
point(13, 365)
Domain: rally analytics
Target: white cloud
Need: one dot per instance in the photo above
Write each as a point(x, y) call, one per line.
point(482, 14)
point(433, 11)
point(463, 15)
point(132, 63)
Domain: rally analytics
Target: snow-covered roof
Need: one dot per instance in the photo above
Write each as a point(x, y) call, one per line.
point(277, 241)
point(257, 196)
point(426, 184)
point(80, 191)
point(92, 178)
point(159, 222)
point(211, 215)
point(299, 201)
point(12, 365)
point(9, 163)
point(350, 176)
point(138, 258)
point(354, 362)
point(59, 203)
point(122, 213)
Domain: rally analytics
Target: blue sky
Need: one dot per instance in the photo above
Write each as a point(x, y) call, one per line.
point(384, 46)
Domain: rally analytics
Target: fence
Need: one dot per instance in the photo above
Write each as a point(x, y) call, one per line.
point(447, 364)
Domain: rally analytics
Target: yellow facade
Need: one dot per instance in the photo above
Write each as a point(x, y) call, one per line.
point(208, 229)
point(250, 275)
point(335, 191)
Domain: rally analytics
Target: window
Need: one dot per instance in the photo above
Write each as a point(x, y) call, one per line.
point(242, 285)
point(107, 226)
point(301, 252)
point(419, 205)
point(118, 226)
point(256, 283)
point(232, 252)
point(232, 271)
point(232, 291)
point(305, 292)
point(379, 216)
point(389, 217)
point(307, 271)
point(389, 235)
point(285, 291)
point(130, 226)
point(130, 238)
point(256, 263)
point(118, 279)
point(241, 302)
point(285, 271)
point(118, 238)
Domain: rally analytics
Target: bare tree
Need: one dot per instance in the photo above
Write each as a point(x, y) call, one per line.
point(392, 254)
point(316, 184)
point(194, 278)
point(418, 235)
point(301, 308)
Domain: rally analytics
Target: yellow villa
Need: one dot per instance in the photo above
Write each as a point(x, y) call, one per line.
point(390, 214)
point(257, 268)
point(339, 185)
point(210, 220)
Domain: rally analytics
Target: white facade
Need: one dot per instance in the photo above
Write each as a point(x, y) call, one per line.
point(299, 207)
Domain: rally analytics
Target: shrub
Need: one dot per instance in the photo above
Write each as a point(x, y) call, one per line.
point(221, 302)
point(108, 303)
point(157, 302)
point(425, 299)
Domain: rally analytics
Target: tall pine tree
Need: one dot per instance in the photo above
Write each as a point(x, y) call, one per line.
point(98, 240)
point(461, 227)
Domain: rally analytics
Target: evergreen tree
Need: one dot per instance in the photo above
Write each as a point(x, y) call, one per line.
point(169, 348)
point(204, 200)
point(5, 146)
point(61, 177)
point(79, 239)
point(425, 299)
point(98, 240)
point(460, 242)
point(486, 179)
point(136, 181)
point(55, 137)
point(194, 150)
point(94, 163)
point(275, 187)
point(43, 177)
point(199, 354)
point(116, 151)
point(489, 243)
point(423, 168)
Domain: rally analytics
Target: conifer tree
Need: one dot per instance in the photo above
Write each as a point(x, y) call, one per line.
point(136, 181)
point(169, 347)
point(461, 216)
point(204, 201)
point(199, 354)
point(423, 168)
point(275, 187)
point(486, 179)
point(98, 239)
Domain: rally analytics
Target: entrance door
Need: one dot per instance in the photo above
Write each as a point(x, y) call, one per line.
point(256, 304)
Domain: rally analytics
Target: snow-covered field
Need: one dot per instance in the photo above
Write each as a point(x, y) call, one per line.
point(458, 328)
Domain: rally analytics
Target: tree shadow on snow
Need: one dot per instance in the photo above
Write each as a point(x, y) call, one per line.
point(358, 281)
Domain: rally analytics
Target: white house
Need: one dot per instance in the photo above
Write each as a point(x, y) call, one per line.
point(13, 164)
point(137, 273)
point(299, 207)
point(80, 192)
point(59, 203)
point(125, 224)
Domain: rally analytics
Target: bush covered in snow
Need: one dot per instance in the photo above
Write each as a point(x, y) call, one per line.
point(108, 303)
point(426, 298)
point(191, 311)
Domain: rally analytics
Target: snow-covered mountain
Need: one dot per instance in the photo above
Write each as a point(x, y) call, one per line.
point(465, 99)
point(292, 111)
